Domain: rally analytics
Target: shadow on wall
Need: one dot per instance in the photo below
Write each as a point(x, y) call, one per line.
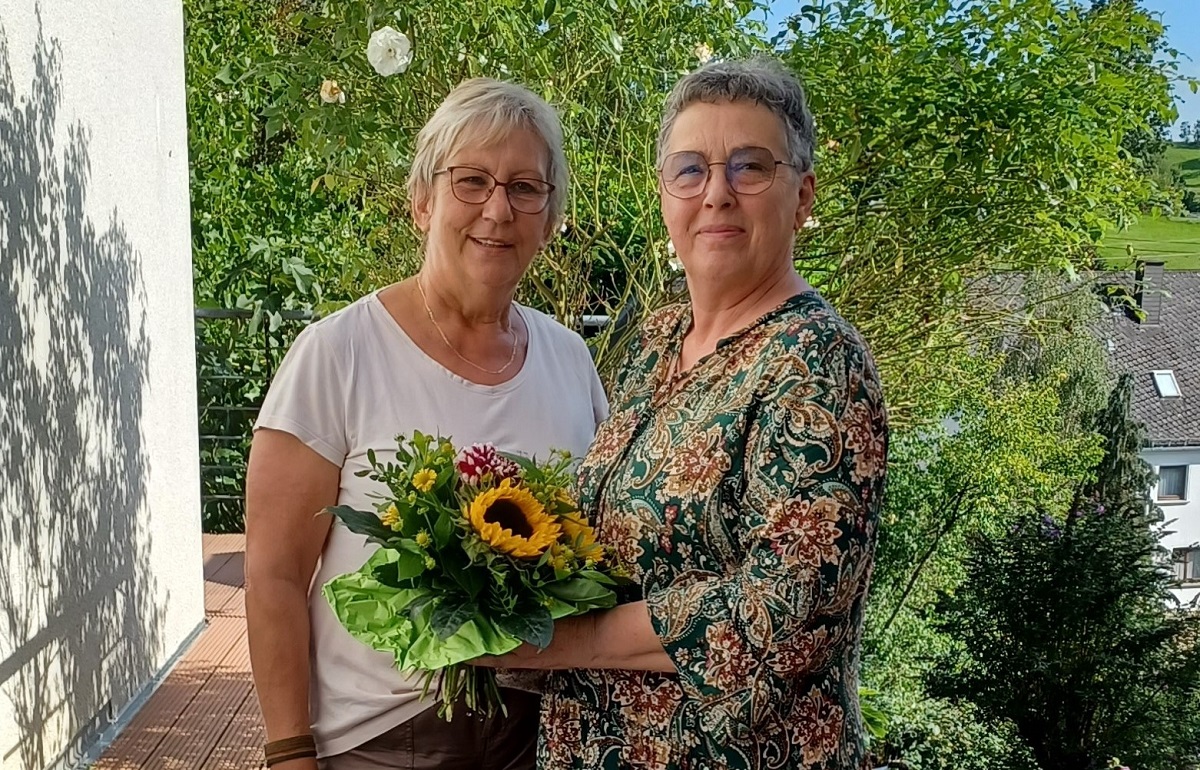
point(79, 625)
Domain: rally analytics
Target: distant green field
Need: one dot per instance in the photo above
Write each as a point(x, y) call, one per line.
point(1173, 240)
point(1187, 159)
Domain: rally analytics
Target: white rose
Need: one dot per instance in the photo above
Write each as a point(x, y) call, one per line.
point(389, 51)
point(332, 93)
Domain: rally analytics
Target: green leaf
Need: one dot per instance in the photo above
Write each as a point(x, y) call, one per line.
point(580, 591)
point(523, 462)
point(450, 615)
point(532, 624)
point(471, 578)
point(417, 605)
point(361, 522)
point(443, 530)
point(406, 566)
point(548, 9)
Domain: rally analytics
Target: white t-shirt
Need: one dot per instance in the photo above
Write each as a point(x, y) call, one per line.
point(352, 382)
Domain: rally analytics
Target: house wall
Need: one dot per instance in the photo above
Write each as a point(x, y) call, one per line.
point(100, 552)
point(1183, 516)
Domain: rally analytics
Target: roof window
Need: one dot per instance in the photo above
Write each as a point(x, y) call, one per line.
point(1168, 386)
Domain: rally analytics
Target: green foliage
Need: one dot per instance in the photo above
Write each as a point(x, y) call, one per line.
point(605, 66)
point(1174, 241)
point(1021, 434)
point(260, 242)
point(1062, 626)
point(937, 734)
point(1057, 341)
point(1003, 447)
point(962, 139)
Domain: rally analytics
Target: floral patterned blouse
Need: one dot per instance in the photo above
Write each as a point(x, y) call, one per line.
point(743, 496)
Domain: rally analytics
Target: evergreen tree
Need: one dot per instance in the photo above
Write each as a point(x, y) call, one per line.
point(1066, 628)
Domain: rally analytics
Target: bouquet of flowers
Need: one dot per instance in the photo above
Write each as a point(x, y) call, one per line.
point(481, 551)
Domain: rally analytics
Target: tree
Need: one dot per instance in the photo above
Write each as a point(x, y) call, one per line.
point(1063, 626)
point(964, 139)
point(1019, 433)
point(1185, 132)
point(605, 66)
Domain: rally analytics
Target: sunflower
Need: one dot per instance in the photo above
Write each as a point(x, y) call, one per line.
point(512, 521)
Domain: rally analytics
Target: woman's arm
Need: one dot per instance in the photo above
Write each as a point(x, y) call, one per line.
point(287, 484)
point(618, 638)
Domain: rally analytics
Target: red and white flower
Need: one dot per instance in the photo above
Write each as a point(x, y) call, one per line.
point(480, 460)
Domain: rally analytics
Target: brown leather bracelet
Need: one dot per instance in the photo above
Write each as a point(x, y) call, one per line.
point(275, 759)
point(285, 749)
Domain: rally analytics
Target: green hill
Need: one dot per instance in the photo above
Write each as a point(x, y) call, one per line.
point(1187, 160)
point(1174, 240)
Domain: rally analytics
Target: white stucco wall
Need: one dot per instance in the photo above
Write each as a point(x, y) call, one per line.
point(100, 553)
point(1183, 517)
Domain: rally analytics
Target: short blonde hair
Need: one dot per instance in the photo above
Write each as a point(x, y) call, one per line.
point(484, 110)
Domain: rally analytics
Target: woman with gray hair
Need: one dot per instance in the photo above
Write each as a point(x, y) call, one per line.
point(445, 352)
point(739, 476)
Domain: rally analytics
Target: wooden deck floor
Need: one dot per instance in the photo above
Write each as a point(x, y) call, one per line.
point(205, 715)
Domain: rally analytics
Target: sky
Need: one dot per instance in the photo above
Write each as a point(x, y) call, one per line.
point(1181, 17)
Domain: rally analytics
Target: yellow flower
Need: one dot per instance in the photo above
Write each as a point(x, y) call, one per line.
point(581, 537)
point(424, 479)
point(512, 521)
point(391, 518)
point(429, 562)
point(423, 539)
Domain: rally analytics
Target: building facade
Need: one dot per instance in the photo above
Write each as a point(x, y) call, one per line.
point(100, 548)
point(1159, 345)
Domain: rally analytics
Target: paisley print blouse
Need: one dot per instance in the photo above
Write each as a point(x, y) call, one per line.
point(743, 496)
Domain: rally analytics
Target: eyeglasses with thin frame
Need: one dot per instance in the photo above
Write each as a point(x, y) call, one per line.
point(748, 171)
point(474, 185)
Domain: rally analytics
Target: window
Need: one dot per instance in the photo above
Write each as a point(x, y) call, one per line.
point(1172, 482)
point(1168, 386)
point(1187, 564)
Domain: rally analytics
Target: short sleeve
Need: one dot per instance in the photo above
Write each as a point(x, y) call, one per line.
point(599, 399)
point(307, 397)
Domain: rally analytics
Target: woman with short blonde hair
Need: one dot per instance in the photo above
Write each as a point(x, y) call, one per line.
point(446, 352)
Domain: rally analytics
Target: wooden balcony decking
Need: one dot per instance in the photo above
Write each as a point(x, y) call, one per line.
point(205, 715)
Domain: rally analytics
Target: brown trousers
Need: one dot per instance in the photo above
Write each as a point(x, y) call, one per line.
point(468, 742)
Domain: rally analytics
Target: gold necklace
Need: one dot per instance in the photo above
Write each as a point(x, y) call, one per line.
point(512, 356)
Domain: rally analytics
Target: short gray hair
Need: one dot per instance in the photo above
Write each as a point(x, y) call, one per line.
point(762, 80)
point(484, 110)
